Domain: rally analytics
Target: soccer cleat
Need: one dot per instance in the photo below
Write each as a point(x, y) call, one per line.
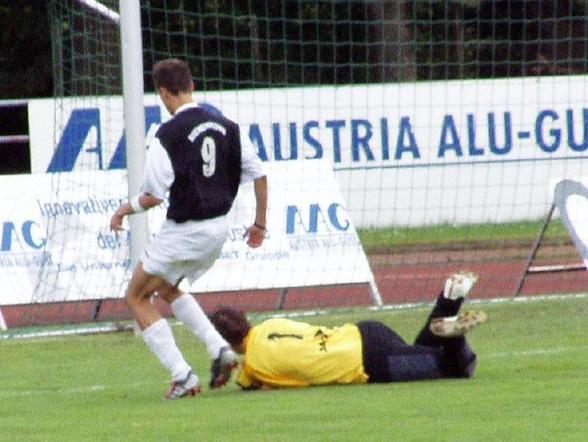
point(459, 285)
point(190, 386)
point(459, 325)
point(221, 368)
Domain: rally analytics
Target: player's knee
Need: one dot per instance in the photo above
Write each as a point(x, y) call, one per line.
point(467, 364)
point(169, 294)
point(470, 367)
point(131, 298)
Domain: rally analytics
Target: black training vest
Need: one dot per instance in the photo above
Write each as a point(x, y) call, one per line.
point(205, 152)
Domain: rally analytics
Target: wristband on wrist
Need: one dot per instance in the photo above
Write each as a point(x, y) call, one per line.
point(259, 226)
point(134, 202)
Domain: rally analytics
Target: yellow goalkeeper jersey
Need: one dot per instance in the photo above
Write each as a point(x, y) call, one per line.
point(286, 353)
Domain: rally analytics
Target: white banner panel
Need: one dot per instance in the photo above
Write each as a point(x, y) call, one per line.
point(56, 245)
point(571, 199)
point(403, 154)
point(311, 238)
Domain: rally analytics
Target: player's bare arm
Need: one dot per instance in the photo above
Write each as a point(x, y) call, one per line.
point(256, 232)
point(142, 202)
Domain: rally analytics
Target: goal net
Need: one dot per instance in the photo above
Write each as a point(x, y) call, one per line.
point(428, 135)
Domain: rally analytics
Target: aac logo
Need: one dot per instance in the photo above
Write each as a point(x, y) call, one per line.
point(315, 217)
point(25, 236)
point(81, 123)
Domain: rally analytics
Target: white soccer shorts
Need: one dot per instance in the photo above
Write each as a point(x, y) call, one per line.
point(185, 250)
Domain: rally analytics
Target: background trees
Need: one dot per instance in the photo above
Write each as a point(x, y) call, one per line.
point(255, 43)
point(25, 50)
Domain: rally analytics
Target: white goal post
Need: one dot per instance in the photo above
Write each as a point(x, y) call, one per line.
point(134, 114)
point(107, 12)
point(129, 21)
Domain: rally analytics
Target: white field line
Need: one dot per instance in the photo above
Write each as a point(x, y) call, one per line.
point(538, 298)
point(536, 352)
point(91, 389)
point(77, 390)
point(34, 337)
point(411, 305)
point(88, 389)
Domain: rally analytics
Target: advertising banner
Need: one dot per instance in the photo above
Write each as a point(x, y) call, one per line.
point(56, 244)
point(571, 200)
point(403, 154)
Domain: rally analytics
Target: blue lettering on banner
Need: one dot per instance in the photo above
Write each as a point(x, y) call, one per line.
point(554, 141)
point(336, 126)
point(473, 150)
point(448, 130)
point(385, 139)
point(263, 255)
point(229, 254)
point(119, 159)
point(362, 142)
point(26, 259)
point(111, 241)
point(311, 141)
point(310, 219)
point(278, 155)
point(493, 135)
point(574, 145)
point(257, 140)
point(28, 235)
point(361, 132)
point(87, 206)
point(405, 130)
point(77, 129)
point(494, 148)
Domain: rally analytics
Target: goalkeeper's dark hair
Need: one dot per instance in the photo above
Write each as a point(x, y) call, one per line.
point(172, 74)
point(231, 324)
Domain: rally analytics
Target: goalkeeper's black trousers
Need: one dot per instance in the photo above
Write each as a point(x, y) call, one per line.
point(388, 358)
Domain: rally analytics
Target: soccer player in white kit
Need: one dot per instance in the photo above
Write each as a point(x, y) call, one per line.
point(198, 158)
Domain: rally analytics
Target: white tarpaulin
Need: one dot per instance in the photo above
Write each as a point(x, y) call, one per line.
point(571, 199)
point(56, 245)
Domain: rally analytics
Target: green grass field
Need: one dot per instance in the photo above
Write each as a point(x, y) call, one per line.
point(531, 384)
point(442, 235)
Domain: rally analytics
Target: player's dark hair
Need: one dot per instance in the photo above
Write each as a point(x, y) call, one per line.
point(172, 74)
point(231, 324)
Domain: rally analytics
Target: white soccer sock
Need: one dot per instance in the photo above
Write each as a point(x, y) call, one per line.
point(187, 310)
point(160, 339)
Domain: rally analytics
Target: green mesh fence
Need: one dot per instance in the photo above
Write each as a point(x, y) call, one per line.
point(446, 124)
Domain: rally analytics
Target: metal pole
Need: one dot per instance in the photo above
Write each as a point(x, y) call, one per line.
point(134, 114)
point(281, 298)
point(534, 249)
point(375, 291)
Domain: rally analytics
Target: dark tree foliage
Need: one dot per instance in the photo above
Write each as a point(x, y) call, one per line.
point(25, 50)
point(258, 43)
point(242, 44)
point(25, 72)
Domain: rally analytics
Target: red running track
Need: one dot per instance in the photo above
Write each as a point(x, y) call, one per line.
point(405, 280)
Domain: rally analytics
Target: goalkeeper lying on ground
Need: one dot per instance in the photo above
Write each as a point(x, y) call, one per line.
point(284, 353)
